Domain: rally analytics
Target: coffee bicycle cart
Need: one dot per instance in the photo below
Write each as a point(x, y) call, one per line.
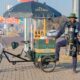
point(40, 48)
point(42, 51)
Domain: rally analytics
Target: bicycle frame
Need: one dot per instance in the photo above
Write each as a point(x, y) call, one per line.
point(6, 53)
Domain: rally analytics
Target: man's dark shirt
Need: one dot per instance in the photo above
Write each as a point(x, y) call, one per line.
point(75, 25)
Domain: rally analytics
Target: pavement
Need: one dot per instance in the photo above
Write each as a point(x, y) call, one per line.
point(27, 70)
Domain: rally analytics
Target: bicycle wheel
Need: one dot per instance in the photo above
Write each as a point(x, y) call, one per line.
point(47, 64)
point(36, 64)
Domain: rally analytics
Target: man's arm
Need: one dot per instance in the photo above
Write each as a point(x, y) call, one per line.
point(62, 30)
point(79, 28)
point(78, 33)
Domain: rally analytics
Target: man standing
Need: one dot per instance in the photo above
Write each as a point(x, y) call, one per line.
point(72, 23)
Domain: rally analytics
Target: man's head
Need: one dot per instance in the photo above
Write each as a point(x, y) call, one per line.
point(72, 17)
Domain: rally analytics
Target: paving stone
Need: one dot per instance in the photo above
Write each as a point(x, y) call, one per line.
point(27, 71)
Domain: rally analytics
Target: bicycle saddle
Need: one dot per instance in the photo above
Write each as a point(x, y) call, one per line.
point(14, 45)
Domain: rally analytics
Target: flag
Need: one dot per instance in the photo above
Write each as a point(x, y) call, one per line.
point(24, 0)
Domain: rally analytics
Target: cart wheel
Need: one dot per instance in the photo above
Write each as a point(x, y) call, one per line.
point(47, 64)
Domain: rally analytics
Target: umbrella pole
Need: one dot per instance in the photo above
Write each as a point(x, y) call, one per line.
point(31, 31)
point(44, 22)
point(25, 34)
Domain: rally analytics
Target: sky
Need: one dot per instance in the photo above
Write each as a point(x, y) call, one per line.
point(63, 6)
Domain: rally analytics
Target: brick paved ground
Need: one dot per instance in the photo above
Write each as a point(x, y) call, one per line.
point(27, 71)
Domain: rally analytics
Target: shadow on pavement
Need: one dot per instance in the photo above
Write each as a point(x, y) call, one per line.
point(66, 66)
point(59, 67)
